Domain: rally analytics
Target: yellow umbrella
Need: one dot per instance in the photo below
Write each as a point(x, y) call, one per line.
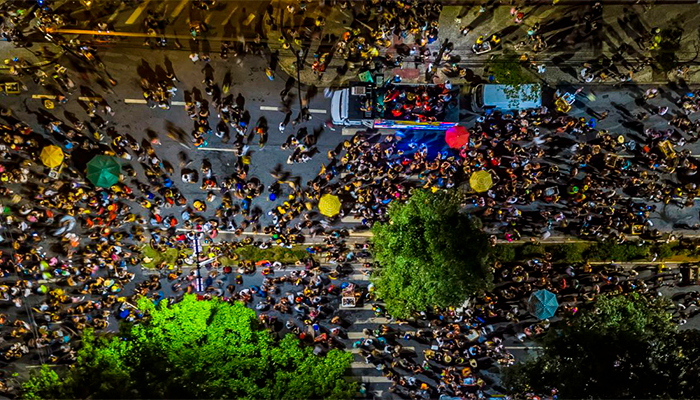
point(51, 156)
point(481, 181)
point(329, 205)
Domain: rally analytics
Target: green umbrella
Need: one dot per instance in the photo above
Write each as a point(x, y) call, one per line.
point(103, 171)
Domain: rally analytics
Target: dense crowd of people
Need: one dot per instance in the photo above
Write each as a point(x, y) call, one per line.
point(73, 253)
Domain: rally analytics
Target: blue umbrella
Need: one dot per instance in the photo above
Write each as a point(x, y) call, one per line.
point(543, 304)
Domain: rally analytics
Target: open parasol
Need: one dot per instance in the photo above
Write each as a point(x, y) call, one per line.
point(481, 181)
point(51, 156)
point(103, 171)
point(329, 205)
point(457, 136)
point(543, 304)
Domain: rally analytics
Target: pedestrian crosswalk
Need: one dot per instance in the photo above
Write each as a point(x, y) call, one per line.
point(178, 9)
point(178, 12)
point(135, 15)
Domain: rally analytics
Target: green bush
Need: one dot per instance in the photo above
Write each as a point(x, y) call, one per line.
point(666, 250)
point(611, 251)
point(504, 253)
point(569, 252)
point(532, 250)
point(274, 253)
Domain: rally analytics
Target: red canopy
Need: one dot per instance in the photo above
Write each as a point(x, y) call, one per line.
point(457, 136)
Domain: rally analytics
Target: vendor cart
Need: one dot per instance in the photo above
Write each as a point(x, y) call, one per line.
point(564, 102)
point(638, 229)
point(350, 296)
point(551, 194)
point(667, 149)
point(613, 160)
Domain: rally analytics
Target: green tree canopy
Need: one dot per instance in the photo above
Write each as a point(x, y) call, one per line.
point(626, 347)
point(507, 69)
point(430, 253)
point(196, 349)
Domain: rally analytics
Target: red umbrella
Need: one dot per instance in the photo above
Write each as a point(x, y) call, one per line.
point(457, 136)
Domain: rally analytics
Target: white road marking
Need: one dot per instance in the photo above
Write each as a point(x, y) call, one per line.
point(229, 15)
point(360, 364)
point(311, 110)
point(137, 12)
point(352, 131)
point(178, 9)
point(116, 12)
point(52, 97)
point(351, 219)
point(371, 379)
point(373, 320)
point(143, 101)
point(357, 350)
point(216, 149)
point(269, 108)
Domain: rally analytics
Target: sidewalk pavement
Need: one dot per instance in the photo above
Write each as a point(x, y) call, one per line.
point(563, 26)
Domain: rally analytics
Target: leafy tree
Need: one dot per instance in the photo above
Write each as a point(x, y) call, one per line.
point(196, 349)
point(626, 347)
point(666, 44)
point(432, 255)
point(507, 69)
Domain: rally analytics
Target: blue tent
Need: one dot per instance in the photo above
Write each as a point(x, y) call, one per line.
point(543, 304)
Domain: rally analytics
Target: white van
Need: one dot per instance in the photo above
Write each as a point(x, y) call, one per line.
point(504, 97)
point(344, 105)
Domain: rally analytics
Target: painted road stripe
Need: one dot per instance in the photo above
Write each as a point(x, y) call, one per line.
point(52, 97)
point(311, 110)
point(373, 320)
point(357, 350)
point(229, 15)
point(216, 149)
point(135, 15)
point(143, 101)
point(116, 12)
point(352, 131)
point(370, 379)
point(360, 365)
point(178, 9)
point(351, 219)
point(268, 108)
